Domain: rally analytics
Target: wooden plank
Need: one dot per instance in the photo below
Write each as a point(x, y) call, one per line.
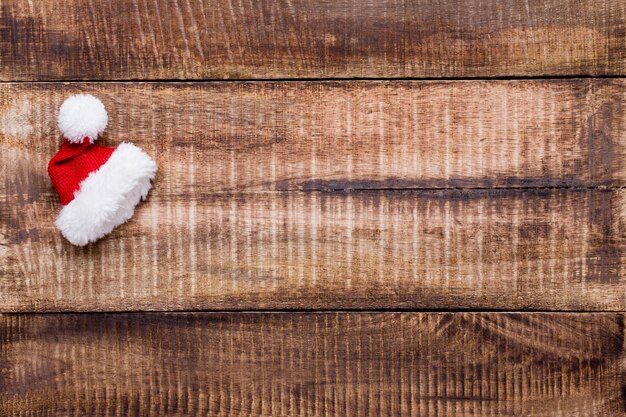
point(118, 39)
point(343, 364)
point(235, 219)
point(210, 137)
point(492, 249)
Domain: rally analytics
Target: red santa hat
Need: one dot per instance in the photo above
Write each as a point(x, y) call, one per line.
point(99, 187)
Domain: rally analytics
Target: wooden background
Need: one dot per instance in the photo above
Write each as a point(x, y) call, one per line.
point(340, 184)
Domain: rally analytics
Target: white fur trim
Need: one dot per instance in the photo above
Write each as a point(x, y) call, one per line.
point(108, 196)
point(82, 115)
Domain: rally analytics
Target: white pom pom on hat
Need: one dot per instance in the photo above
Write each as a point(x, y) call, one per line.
point(82, 116)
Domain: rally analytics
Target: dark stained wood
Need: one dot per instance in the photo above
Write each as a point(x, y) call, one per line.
point(340, 364)
point(502, 249)
point(210, 137)
point(505, 195)
point(121, 39)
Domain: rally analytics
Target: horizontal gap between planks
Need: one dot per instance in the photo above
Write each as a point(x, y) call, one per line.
point(316, 311)
point(330, 79)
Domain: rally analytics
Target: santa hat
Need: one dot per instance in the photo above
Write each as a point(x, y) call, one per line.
point(99, 187)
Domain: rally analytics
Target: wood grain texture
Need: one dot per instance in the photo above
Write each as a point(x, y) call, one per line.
point(120, 39)
point(245, 211)
point(502, 249)
point(210, 137)
point(340, 364)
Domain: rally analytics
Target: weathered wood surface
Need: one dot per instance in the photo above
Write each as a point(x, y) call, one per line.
point(237, 220)
point(502, 249)
point(120, 39)
point(210, 137)
point(340, 364)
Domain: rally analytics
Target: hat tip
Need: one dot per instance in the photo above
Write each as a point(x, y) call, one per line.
point(81, 116)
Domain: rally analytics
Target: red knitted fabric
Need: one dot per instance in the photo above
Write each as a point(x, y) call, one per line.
point(73, 163)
